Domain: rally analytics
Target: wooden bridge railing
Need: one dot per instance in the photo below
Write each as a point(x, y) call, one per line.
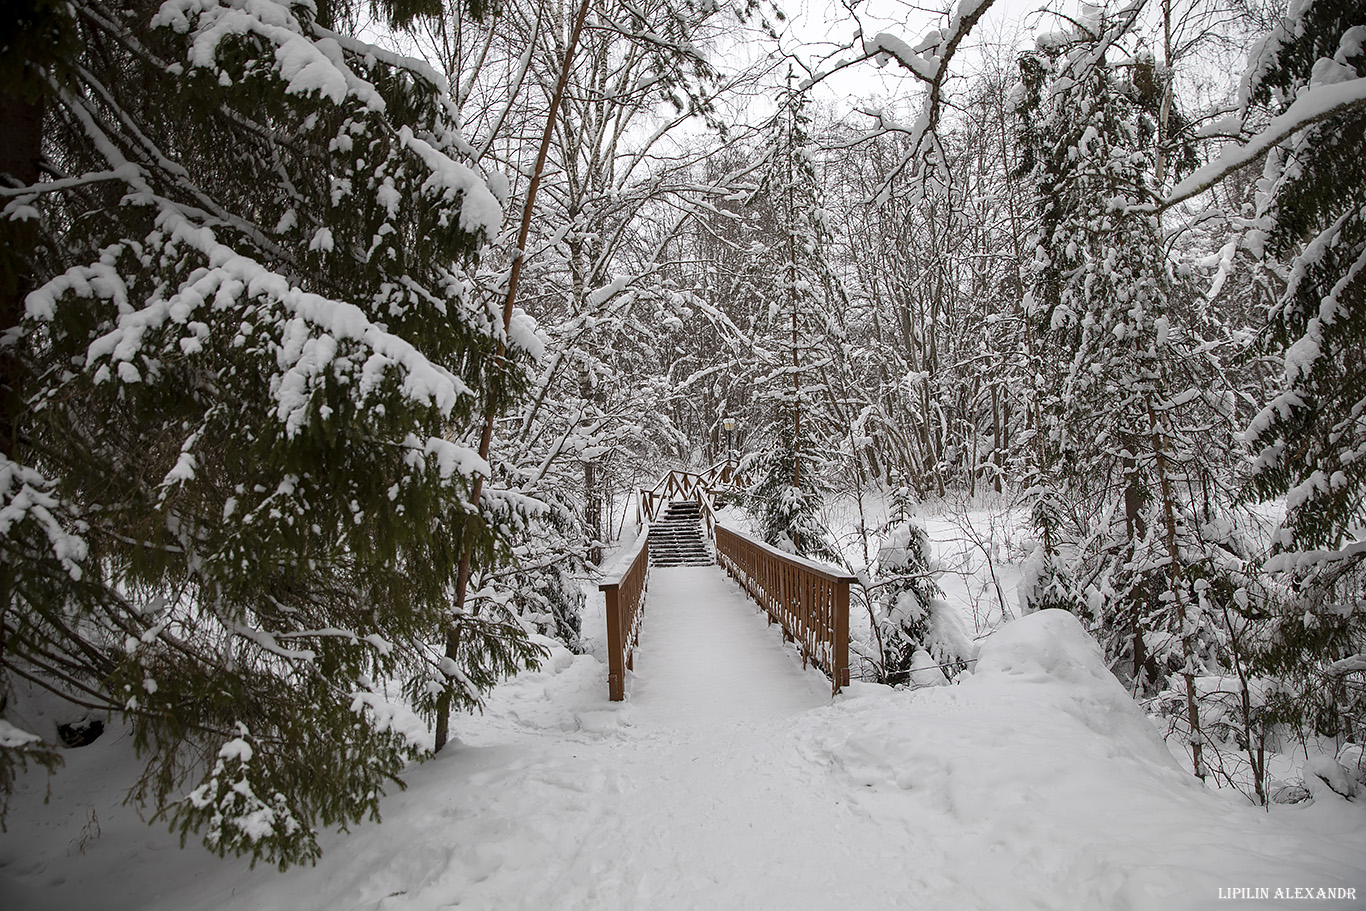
point(683, 485)
point(809, 602)
point(625, 596)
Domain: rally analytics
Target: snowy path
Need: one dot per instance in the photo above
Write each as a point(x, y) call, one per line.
point(731, 780)
point(690, 795)
point(709, 663)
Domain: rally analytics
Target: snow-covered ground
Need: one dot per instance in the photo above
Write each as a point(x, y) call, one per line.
point(731, 779)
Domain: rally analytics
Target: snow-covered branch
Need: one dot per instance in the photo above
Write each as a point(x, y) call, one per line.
point(1312, 106)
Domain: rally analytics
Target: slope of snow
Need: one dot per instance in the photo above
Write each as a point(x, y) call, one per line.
point(731, 779)
point(71, 843)
point(1038, 783)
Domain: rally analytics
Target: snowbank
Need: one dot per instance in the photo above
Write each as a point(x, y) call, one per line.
point(1051, 652)
point(1039, 783)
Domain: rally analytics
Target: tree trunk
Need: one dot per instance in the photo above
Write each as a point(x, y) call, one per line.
point(462, 579)
point(1174, 575)
point(592, 510)
point(1134, 529)
point(792, 300)
point(996, 436)
point(21, 147)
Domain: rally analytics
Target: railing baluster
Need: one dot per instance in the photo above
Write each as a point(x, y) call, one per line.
point(839, 644)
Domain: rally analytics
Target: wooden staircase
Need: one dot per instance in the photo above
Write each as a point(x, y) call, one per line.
point(676, 538)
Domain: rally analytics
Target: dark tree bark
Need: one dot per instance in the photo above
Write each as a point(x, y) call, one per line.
point(21, 145)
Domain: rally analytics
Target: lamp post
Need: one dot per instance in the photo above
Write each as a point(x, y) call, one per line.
point(729, 424)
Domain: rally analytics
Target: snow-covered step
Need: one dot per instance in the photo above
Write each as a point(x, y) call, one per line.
point(677, 539)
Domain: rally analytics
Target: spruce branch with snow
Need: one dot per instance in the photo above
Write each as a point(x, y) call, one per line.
point(234, 498)
point(1309, 440)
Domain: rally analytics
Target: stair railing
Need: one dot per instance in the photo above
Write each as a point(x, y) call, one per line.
point(705, 502)
point(625, 597)
point(682, 485)
point(810, 602)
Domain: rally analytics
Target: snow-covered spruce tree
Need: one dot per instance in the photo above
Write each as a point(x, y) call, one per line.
point(232, 510)
point(789, 270)
point(1046, 583)
point(923, 639)
point(1128, 403)
point(1310, 439)
point(788, 504)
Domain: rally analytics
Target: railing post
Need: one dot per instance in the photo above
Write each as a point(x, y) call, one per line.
point(616, 647)
point(840, 672)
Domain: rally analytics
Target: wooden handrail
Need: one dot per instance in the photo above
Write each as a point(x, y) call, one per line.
point(682, 485)
point(810, 602)
point(625, 597)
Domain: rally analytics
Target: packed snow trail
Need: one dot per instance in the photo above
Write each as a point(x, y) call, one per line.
point(690, 796)
point(731, 780)
point(705, 664)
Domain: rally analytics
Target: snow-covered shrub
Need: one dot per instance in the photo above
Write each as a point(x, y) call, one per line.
point(1045, 584)
point(1325, 776)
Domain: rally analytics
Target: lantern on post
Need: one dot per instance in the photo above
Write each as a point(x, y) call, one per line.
point(729, 424)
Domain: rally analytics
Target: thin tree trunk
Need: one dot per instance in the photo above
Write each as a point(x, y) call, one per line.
point(1165, 109)
point(792, 300)
point(1134, 529)
point(1174, 574)
point(462, 579)
point(21, 148)
point(972, 416)
point(1256, 746)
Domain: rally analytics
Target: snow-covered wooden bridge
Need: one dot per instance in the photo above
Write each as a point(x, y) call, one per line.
point(808, 602)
